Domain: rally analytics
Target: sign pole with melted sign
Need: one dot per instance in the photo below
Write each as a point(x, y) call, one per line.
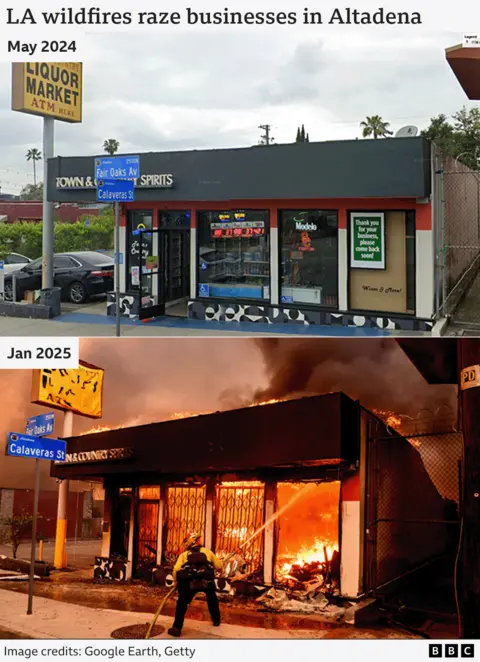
point(40, 447)
point(52, 90)
point(77, 391)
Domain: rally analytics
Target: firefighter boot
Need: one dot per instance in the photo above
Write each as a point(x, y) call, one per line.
point(175, 632)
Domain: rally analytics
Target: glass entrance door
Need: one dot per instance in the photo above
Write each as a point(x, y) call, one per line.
point(175, 261)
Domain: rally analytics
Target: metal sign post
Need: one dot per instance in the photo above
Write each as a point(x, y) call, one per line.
point(48, 223)
point(40, 447)
point(2, 280)
point(34, 537)
point(115, 177)
point(117, 269)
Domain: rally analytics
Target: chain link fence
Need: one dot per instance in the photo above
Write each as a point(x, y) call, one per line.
point(412, 509)
point(457, 239)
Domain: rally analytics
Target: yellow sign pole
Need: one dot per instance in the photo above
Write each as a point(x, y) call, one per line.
point(60, 556)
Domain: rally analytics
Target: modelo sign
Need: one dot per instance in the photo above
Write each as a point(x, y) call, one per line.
point(48, 89)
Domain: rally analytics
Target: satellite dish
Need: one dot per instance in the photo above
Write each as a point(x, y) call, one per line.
point(407, 132)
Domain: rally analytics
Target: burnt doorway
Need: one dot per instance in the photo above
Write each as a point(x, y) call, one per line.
point(146, 534)
point(121, 523)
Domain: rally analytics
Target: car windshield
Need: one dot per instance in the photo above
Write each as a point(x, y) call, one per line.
point(96, 259)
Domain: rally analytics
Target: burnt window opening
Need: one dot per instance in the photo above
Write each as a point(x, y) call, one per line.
point(307, 533)
point(240, 514)
point(184, 514)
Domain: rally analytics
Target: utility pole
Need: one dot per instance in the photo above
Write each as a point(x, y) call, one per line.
point(48, 222)
point(266, 139)
point(469, 580)
point(59, 555)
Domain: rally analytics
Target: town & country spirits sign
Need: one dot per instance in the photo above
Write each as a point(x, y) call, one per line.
point(367, 240)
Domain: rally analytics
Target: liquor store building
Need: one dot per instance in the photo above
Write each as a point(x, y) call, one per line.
point(336, 233)
point(292, 488)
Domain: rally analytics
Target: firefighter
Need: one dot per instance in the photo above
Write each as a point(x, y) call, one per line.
point(194, 573)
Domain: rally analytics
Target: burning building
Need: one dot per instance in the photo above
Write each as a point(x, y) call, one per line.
point(288, 494)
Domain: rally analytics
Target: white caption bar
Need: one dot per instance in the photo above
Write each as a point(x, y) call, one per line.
point(282, 650)
point(28, 353)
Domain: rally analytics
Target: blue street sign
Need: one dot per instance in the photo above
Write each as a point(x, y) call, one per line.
point(40, 426)
point(2, 264)
point(117, 167)
point(204, 290)
point(25, 445)
point(120, 258)
point(115, 191)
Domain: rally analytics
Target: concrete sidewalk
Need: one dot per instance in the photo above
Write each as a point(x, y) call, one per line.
point(52, 619)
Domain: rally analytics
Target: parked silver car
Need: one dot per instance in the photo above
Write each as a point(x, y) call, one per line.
point(14, 262)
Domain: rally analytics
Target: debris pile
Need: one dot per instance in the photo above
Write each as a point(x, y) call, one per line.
point(311, 600)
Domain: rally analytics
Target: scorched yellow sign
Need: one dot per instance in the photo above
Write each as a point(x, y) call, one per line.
point(49, 89)
point(79, 390)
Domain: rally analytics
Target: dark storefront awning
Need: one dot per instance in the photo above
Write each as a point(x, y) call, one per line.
point(465, 64)
point(308, 431)
point(390, 168)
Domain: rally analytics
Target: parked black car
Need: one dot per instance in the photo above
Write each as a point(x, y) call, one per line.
point(79, 275)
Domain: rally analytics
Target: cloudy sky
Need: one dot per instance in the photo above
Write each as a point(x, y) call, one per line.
point(177, 89)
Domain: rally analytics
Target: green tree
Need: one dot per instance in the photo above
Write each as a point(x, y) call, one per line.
point(111, 146)
point(376, 127)
point(34, 155)
point(302, 137)
point(32, 192)
point(14, 529)
point(460, 138)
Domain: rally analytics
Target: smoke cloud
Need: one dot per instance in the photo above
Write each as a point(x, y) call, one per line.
point(374, 371)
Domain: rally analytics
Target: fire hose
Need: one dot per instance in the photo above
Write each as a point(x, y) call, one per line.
point(174, 588)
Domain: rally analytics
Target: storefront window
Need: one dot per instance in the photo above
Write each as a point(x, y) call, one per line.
point(234, 254)
point(309, 257)
point(382, 261)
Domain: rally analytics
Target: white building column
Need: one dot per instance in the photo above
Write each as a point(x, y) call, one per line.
point(274, 267)
point(425, 273)
point(209, 503)
point(269, 535)
point(193, 261)
point(123, 249)
point(350, 544)
point(343, 262)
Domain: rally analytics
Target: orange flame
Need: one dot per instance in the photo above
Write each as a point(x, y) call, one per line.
point(177, 415)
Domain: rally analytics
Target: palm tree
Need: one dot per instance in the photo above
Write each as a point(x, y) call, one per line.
point(34, 155)
point(111, 146)
point(376, 127)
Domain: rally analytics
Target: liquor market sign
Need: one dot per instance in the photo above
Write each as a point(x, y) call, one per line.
point(145, 181)
point(367, 240)
point(105, 455)
point(48, 89)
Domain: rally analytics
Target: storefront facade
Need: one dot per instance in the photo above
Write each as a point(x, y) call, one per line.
point(335, 233)
point(304, 501)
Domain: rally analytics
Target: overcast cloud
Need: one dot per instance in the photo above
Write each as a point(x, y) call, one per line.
point(194, 90)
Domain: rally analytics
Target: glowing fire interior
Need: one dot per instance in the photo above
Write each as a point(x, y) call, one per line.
point(307, 530)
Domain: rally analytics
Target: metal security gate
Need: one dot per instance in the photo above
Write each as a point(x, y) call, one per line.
point(239, 513)
point(456, 203)
point(412, 503)
point(184, 513)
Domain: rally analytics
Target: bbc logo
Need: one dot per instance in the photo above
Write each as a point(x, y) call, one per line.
point(451, 650)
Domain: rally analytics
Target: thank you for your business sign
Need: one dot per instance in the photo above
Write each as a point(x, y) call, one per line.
point(367, 240)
